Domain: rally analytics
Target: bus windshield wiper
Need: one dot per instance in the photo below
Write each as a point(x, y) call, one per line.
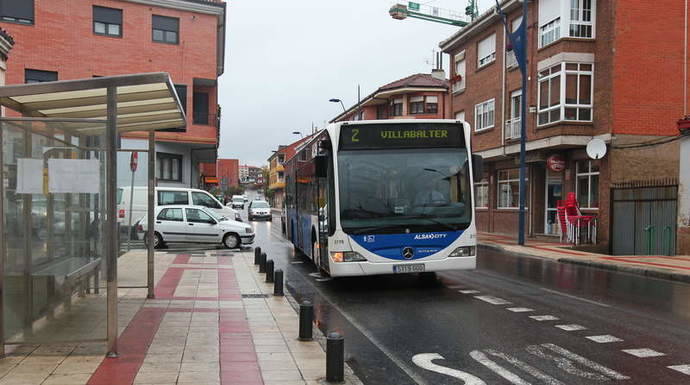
point(431, 219)
point(363, 230)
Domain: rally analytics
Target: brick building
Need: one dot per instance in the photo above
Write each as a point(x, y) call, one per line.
point(228, 173)
point(65, 39)
point(276, 171)
point(250, 174)
point(418, 96)
point(597, 69)
point(6, 43)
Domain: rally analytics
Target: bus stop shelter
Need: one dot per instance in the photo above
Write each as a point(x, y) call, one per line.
point(59, 241)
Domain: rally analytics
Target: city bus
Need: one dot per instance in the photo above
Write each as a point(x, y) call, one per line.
point(384, 197)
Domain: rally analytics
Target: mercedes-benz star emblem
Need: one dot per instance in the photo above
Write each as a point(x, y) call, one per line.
point(408, 253)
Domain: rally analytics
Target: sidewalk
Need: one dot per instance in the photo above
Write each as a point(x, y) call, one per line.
point(675, 268)
point(213, 322)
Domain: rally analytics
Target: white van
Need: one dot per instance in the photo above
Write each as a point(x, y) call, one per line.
point(167, 196)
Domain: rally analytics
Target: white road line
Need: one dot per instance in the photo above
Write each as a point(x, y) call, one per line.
point(519, 309)
point(424, 360)
point(498, 369)
point(534, 372)
point(588, 363)
point(492, 300)
point(685, 369)
point(571, 327)
point(576, 297)
point(604, 339)
point(543, 318)
point(644, 353)
point(469, 291)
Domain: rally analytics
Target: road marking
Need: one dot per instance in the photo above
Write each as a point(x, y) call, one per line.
point(469, 291)
point(685, 369)
point(519, 309)
point(424, 360)
point(534, 372)
point(566, 364)
point(323, 279)
point(498, 369)
point(571, 327)
point(644, 353)
point(492, 300)
point(296, 262)
point(604, 339)
point(543, 318)
point(576, 297)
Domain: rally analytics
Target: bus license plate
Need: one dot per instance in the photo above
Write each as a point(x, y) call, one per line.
point(411, 268)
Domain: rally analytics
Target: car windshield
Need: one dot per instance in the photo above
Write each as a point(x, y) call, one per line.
point(215, 216)
point(260, 205)
point(240, 200)
point(404, 189)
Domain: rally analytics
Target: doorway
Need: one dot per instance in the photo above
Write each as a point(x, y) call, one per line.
point(554, 193)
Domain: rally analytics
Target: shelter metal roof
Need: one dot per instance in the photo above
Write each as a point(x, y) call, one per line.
point(146, 101)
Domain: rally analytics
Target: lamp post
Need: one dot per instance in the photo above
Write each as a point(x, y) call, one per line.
point(298, 133)
point(518, 40)
point(335, 100)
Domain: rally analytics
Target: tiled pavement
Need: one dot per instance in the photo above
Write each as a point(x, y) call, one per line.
point(198, 330)
point(668, 267)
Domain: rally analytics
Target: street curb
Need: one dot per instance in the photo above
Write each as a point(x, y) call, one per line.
point(600, 265)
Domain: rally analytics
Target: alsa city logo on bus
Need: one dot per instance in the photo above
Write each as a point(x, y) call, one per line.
point(429, 236)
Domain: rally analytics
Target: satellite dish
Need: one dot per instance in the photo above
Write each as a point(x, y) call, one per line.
point(596, 148)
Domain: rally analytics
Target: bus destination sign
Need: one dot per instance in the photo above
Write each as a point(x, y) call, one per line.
point(400, 135)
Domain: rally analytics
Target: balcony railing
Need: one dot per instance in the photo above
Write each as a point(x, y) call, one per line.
point(512, 130)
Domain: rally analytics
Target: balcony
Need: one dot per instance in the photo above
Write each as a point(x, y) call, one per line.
point(512, 129)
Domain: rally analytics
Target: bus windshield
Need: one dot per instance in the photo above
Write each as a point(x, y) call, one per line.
point(399, 190)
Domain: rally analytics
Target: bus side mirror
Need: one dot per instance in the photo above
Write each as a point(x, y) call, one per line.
point(321, 165)
point(477, 167)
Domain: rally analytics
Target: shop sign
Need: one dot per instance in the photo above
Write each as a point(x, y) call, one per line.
point(555, 163)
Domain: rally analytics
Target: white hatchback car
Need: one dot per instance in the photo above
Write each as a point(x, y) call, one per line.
point(259, 210)
point(196, 224)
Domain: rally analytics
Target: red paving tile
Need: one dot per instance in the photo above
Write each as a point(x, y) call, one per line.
point(181, 259)
point(631, 260)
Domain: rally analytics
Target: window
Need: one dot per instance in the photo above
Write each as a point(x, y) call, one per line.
point(481, 194)
point(198, 216)
point(38, 76)
point(581, 18)
point(486, 51)
point(459, 78)
point(484, 115)
point(431, 105)
point(166, 29)
point(107, 21)
point(17, 11)
point(169, 167)
point(509, 188)
point(358, 115)
point(381, 111)
point(181, 90)
point(200, 100)
point(397, 107)
point(203, 199)
point(550, 32)
point(417, 105)
point(460, 115)
point(170, 215)
point(587, 187)
point(511, 59)
point(565, 93)
point(166, 197)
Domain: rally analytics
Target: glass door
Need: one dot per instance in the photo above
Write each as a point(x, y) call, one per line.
point(554, 193)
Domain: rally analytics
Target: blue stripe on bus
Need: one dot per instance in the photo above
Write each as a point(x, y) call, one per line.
point(391, 245)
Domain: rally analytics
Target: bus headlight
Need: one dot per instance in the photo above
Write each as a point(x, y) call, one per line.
point(347, 256)
point(464, 251)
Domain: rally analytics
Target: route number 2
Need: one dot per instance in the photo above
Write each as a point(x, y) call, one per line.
point(355, 135)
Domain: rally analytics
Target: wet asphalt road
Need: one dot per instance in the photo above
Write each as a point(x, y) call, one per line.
point(475, 327)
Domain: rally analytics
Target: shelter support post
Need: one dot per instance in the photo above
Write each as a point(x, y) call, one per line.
point(28, 260)
point(110, 230)
point(150, 213)
point(3, 250)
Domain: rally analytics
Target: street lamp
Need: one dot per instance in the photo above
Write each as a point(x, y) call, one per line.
point(334, 100)
point(298, 133)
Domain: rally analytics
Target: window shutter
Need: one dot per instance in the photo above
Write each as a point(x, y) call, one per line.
point(549, 10)
point(432, 99)
point(166, 23)
point(414, 99)
point(107, 15)
point(18, 9)
point(487, 46)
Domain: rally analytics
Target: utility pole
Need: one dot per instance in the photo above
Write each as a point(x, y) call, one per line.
point(518, 40)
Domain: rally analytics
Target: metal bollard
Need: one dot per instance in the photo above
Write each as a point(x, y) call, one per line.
point(257, 255)
point(269, 271)
point(262, 263)
point(278, 283)
point(306, 320)
point(335, 358)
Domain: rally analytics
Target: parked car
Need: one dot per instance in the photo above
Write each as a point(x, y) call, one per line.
point(245, 198)
point(238, 202)
point(259, 209)
point(166, 196)
point(195, 224)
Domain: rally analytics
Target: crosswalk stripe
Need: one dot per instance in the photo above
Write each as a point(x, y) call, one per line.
point(643, 353)
point(604, 339)
point(685, 369)
point(492, 300)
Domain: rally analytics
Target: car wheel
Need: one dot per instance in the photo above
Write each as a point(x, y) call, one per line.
point(157, 241)
point(231, 241)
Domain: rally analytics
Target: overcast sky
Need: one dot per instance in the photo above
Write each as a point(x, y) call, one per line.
point(285, 59)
